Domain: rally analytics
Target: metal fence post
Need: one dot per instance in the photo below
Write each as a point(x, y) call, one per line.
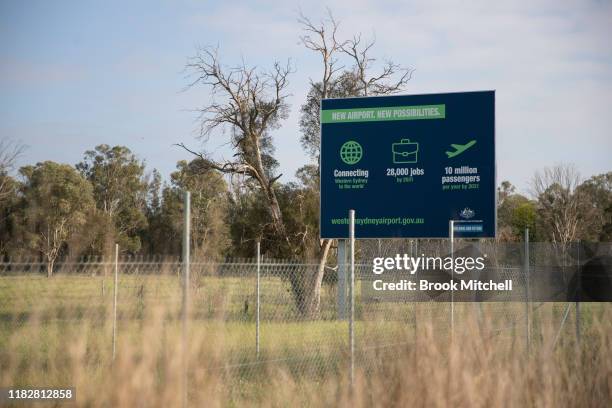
point(527, 292)
point(352, 293)
point(342, 279)
point(578, 295)
point(451, 233)
point(115, 290)
point(185, 265)
point(257, 305)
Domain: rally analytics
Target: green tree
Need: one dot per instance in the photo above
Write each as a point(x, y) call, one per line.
point(120, 192)
point(515, 212)
point(524, 216)
point(210, 237)
point(10, 210)
point(154, 190)
point(249, 222)
point(301, 204)
point(505, 190)
point(58, 201)
point(152, 237)
point(596, 194)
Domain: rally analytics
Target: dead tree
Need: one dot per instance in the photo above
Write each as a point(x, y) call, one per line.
point(559, 202)
point(323, 39)
point(250, 103)
point(392, 77)
point(10, 151)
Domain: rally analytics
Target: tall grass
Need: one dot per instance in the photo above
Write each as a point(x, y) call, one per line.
point(53, 335)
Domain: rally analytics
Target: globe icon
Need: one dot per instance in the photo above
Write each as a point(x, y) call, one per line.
point(351, 152)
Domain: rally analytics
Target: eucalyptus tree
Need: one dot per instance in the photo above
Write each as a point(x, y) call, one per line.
point(120, 191)
point(58, 201)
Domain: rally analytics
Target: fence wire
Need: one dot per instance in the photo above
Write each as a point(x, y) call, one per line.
point(308, 341)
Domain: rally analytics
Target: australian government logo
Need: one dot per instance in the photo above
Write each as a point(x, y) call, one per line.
point(467, 223)
point(467, 213)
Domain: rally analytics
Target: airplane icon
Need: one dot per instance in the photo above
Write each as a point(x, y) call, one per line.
point(460, 148)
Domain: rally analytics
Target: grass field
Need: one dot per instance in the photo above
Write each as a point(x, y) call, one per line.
point(58, 332)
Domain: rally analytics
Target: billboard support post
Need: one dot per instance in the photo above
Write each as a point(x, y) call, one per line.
point(258, 300)
point(352, 292)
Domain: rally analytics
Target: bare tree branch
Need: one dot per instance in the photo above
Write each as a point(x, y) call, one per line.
point(322, 38)
point(225, 167)
point(384, 83)
point(10, 151)
point(250, 102)
point(558, 202)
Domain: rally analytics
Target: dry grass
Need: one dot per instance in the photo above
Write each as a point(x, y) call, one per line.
point(64, 340)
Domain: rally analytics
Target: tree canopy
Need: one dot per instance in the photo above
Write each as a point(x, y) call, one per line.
point(58, 201)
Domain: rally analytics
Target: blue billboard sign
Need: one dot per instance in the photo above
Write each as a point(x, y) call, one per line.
point(409, 164)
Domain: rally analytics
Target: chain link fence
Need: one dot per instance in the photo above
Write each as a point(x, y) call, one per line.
point(248, 310)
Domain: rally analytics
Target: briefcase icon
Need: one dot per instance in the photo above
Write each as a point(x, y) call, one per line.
point(405, 151)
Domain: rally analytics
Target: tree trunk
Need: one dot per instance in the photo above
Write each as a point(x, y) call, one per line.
point(314, 296)
point(306, 285)
point(49, 267)
point(277, 215)
point(268, 188)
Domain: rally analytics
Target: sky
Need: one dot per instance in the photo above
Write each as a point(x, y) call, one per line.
point(75, 74)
